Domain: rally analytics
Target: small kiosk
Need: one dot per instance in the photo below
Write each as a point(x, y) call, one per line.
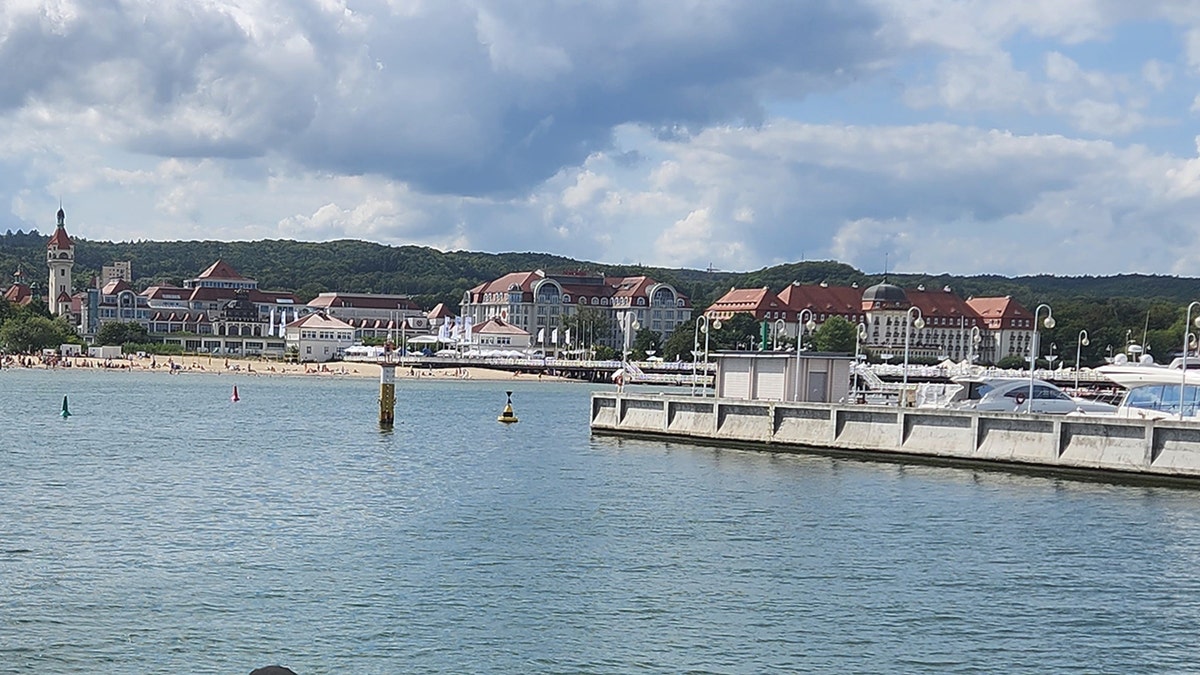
point(815, 377)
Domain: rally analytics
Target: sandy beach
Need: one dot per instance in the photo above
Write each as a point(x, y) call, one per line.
point(221, 365)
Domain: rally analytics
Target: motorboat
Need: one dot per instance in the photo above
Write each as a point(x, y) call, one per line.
point(1011, 394)
point(1154, 391)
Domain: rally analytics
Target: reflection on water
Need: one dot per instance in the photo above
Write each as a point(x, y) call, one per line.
point(165, 527)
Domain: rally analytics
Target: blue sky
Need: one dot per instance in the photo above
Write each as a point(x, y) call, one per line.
point(960, 136)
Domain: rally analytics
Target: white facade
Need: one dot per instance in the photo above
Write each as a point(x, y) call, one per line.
point(545, 306)
point(317, 338)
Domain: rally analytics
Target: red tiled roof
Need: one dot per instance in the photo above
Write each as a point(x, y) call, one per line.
point(629, 286)
point(749, 300)
point(363, 300)
point(320, 321)
point(942, 303)
point(992, 308)
point(497, 327)
point(440, 311)
point(116, 286)
point(221, 270)
point(522, 280)
point(842, 300)
point(167, 293)
point(19, 294)
point(60, 240)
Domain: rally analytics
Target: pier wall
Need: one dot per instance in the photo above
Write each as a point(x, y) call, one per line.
point(1165, 449)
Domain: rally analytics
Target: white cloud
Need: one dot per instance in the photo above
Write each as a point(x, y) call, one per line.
point(958, 135)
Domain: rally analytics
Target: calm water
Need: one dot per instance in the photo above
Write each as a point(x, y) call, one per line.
point(163, 528)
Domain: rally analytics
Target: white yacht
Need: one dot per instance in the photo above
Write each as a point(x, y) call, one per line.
point(1009, 394)
point(1154, 391)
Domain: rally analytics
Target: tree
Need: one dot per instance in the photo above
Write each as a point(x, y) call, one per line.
point(606, 353)
point(836, 335)
point(1012, 362)
point(741, 331)
point(30, 334)
point(589, 326)
point(7, 310)
point(121, 332)
point(681, 342)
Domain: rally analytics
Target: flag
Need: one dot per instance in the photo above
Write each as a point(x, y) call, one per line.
point(541, 338)
point(444, 330)
point(456, 331)
point(567, 338)
point(466, 320)
point(554, 336)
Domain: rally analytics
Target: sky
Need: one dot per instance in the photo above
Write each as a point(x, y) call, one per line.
point(916, 136)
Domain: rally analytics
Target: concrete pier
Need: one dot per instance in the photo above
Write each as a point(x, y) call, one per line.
point(1158, 450)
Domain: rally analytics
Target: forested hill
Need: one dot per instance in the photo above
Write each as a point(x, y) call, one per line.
point(432, 276)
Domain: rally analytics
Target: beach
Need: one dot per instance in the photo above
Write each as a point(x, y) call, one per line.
point(258, 367)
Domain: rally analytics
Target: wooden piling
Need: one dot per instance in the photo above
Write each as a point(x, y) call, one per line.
point(387, 395)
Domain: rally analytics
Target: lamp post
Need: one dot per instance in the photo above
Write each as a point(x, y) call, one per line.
point(1083, 342)
point(779, 327)
point(800, 326)
point(909, 324)
point(859, 336)
point(1186, 343)
point(1049, 323)
point(1052, 356)
point(976, 338)
point(702, 325)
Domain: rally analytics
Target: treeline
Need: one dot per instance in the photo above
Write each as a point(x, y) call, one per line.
point(1113, 309)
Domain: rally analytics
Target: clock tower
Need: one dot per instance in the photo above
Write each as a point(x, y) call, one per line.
point(60, 257)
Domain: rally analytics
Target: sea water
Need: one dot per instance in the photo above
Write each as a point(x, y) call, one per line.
point(165, 528)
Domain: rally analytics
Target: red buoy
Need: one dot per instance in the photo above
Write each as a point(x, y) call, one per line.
point(235, 398)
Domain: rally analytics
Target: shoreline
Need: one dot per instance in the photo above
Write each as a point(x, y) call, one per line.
point(177, 365)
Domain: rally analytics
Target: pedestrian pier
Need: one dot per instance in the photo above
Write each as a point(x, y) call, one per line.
point(1154, 450)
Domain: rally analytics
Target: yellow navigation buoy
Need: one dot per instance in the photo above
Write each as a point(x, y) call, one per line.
point(508, 416)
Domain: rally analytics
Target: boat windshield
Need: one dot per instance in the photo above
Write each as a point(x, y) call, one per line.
point(1164, 398)
point(977, 390)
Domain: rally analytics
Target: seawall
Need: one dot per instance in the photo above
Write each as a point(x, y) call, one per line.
point(1156, 450)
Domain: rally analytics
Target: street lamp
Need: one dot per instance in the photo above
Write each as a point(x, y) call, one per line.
point(1083, 342)
point(779, 327)
point(909, 324)
point(716, 325)
point(859, 336)
point(1049, 323)
point(1050, 358)
point(976, 338)
point(800, 326)
point(1186, 343)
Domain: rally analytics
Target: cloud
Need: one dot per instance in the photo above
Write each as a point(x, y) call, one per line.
point(453, 97)
point(956, 135)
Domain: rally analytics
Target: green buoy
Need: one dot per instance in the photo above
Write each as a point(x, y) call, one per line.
point(66, 411)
